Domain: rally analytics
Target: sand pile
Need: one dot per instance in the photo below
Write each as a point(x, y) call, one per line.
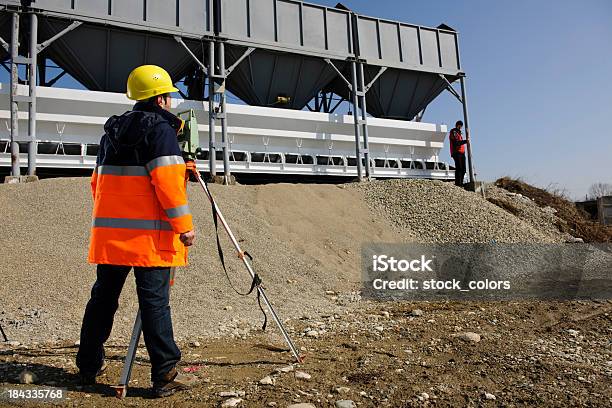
point(306, 240)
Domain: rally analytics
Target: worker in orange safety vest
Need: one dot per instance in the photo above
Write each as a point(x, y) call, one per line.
point(141, 220)
point(457, 151)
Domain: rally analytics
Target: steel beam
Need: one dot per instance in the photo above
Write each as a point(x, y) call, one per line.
point(54, 80)
point(42, 72)
point(467, 129)
point(5, 45)
point(66, 30)
point(356, 118)
point(364, 115)
point(419, 116)
point(212, 150)
point(248, 52)
point(349, 84)
point(15, 171)
point(337, 105)
point(223, 114)
point(449, 88)
point(378, 75)
point(32, 143)
point(193, 57)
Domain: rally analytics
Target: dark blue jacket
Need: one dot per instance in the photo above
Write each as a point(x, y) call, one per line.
point(139, 136)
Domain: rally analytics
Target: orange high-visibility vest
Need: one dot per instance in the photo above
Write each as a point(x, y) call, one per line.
point(457, 144)
point(139, 212)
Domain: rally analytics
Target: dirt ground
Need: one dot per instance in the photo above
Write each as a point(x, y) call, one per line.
point(307, 240)
point(553, 354)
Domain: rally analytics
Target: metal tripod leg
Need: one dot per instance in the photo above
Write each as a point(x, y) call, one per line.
point(3, 335)
point(261, 291)
point(126, 373)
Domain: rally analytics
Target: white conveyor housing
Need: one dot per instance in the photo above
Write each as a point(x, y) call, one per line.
point(261, 140)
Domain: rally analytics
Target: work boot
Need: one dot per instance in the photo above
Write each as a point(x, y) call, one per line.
point(90, 378)
point(172, 382)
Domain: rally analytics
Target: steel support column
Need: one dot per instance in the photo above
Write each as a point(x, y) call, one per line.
point(467, 129)
point(32, 144)
point(42, 72)
point(222, 115)
point(212, 151)
point(361, 92)
point(15, 171)
point(356, 118)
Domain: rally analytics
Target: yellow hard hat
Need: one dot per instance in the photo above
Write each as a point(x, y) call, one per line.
point(148, 81)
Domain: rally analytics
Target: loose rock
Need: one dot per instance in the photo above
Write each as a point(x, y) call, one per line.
point(232, 393)
point(286, 369)
point(470, 337)
point(267, 380)
point(490, 396)
point(312, 333)
point(232, 402)
point(27, 377)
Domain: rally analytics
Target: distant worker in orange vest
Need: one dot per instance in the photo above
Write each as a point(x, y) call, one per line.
point(141, 220)
point(457, 151)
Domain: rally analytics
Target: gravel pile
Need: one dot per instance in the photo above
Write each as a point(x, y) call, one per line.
point(438, 212)
point(301, 252)
point(306, 240)
point(541, 218)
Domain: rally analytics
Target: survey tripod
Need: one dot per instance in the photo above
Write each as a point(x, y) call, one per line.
point(188, 140)
point(3, 335)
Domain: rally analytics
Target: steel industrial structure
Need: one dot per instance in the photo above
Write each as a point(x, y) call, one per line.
point(269, 53)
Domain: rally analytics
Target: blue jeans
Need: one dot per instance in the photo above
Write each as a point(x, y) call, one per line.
point(153, 289)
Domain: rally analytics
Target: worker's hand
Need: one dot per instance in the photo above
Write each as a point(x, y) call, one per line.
point(187, 238)
point(191, 166)
point(192, 171)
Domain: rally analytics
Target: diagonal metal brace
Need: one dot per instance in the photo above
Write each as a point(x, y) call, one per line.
point(200, 63)
point(419, 116)
point(450, 88)
point(248, 52)
point(66, 30)
point(380, 72)
point(57, 78)
point(350, 87)
point(4, 44)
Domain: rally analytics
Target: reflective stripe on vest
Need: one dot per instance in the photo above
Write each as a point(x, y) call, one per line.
point(164, 161)
point(129, 223)
point(122, 170)
point(178, 211)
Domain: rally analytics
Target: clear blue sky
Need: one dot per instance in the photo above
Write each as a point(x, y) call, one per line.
point(539, 84)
